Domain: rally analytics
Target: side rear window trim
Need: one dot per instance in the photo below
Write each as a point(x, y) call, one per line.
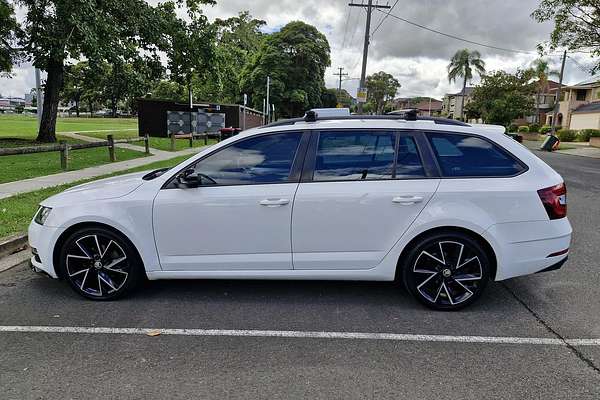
point(501, 148)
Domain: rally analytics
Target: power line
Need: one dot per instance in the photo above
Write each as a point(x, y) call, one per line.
point(346, 27)
point(457, 37)
point(387, 14)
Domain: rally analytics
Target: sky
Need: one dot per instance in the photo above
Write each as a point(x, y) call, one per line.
point(416, 57)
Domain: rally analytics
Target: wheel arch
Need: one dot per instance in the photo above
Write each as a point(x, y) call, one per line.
point(81, 225)
point(489, 250)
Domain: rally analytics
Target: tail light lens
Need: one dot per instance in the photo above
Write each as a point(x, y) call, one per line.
point(554, 199)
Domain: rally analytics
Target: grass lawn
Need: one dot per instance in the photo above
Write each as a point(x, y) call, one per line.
point(16, 211)
point(155, 142)
point(25, 126)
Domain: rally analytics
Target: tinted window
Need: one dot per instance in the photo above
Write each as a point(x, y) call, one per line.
point(262, 159)
point(462, 155)
point(356, 155)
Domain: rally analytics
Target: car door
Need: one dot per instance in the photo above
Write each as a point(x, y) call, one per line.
point(360, 191)
point(240, 216)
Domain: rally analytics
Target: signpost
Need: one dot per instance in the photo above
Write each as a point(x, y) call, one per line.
point(361, 95)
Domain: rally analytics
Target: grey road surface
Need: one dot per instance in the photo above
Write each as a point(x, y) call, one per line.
point(559, 305)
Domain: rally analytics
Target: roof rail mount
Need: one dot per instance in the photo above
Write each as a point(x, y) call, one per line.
point(311, 116)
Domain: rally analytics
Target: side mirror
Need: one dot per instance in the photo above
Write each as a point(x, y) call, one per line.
point(189, 178)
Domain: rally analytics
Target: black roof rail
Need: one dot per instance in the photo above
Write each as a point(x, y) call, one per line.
point(410, 117)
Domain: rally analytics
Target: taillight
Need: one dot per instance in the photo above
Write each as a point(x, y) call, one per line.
point(554, 199)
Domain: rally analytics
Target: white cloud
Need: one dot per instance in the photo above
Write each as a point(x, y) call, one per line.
point(416, 57)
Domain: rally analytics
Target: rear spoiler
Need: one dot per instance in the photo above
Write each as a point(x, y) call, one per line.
point(490, 128)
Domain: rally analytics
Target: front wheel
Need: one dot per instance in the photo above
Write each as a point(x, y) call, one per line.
point(100, 264)
point(446, 271)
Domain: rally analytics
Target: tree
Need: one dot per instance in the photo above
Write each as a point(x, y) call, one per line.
point(501, 97)
point(55, 31)
point(576, 25)
point(8, 32)
point(541, 70)
point(381, 87)
point(74, 83)
point(295, 58)
point(168, 90)
point(461, 65)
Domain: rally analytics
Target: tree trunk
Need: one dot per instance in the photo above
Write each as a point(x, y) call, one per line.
point(77, 107)
point(537, 108)
point(54, 81)
point(462, 100)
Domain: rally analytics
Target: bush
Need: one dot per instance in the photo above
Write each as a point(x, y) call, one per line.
point(534, 128)
point(545, 129)
point(523, 129)
point(566, 135)
point(585, 134)
point(512, 128)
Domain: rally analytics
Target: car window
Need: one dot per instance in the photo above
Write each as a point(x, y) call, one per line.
point(364, 155)
point(463, 155)
point(256, 160)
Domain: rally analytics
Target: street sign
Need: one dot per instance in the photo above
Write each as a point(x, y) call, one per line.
point(361, 95)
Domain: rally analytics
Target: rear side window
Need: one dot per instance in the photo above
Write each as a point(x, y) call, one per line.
point(364, 155)
point(463, 155)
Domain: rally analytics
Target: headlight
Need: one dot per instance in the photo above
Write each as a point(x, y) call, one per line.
point(42, 215)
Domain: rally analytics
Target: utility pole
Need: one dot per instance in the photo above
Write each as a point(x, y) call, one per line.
point(557, 101)
point(340, 74)
point(363, 72)
point(268, 104)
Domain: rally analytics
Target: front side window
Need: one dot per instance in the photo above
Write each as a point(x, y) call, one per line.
point(256, 160)
point(463, 155)
point(364, 155)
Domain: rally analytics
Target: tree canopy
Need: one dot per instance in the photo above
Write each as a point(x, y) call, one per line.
point(502, 97)
point(295, 58)
point(8, 35)
point(381, 87)
point(462, 65)
point(576, 25)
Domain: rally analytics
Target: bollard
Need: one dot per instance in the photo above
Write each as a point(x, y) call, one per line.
point(172, 142)
point(147, 144)
point(111, 148)
point(64, 155)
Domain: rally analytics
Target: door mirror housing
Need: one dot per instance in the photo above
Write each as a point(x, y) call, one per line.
point(189, 179)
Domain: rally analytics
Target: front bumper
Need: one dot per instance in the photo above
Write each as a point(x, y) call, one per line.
point(43, 239)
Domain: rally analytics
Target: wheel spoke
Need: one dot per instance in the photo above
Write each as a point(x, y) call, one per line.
point(447, 293)
point(79, 272)
point(115, 262)
point(432, 256)
point(425, 281)
point(107, 282)
point(462, 247)
point(76, 256)
point(467, 277)
point(82, 249)
point(467, 262)
point(106, 248)
point(442, 254)
point(84, 278)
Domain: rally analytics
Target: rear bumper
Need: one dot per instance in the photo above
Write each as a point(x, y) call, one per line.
point(556, 266)
point(524, 248)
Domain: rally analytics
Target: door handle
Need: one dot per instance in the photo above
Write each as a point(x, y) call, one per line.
point(274, 202)
point(407, 200)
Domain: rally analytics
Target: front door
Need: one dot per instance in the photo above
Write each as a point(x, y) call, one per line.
point(240, 216)
point(364, 190)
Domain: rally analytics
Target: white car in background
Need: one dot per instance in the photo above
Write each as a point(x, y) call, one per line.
point(437, 204)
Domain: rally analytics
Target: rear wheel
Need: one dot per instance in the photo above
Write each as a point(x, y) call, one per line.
point(100, 264)
point(446, 271)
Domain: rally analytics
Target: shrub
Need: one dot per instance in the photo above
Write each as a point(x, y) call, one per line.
point(523, 129)
point(534, 128)
point(512, 128)
point(545, 129)
point(585, 134)
point(566, 135)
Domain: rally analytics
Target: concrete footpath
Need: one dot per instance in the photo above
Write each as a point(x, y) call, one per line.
point(579, 149)
point(28, 185)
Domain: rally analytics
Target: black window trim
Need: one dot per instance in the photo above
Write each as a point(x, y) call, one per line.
point(430, 169)
point(427, 134)
point(295, 171)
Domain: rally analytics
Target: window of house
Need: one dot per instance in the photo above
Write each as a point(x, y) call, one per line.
point(580, 96)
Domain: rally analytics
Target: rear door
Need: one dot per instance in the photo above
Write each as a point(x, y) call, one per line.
point(360, 191)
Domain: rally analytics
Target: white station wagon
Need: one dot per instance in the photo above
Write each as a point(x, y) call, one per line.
point(439, 205)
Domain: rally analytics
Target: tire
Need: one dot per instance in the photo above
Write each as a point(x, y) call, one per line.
point(100, 264)
point(446, 271)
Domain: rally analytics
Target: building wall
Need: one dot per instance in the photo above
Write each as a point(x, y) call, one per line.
point(585, 121)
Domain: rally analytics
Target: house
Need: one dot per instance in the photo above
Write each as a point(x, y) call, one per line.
point(426, 106)
point(545, 101)
point(579, 106)
point(451, 104)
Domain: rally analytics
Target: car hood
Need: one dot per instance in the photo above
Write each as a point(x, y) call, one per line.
point(103, 189)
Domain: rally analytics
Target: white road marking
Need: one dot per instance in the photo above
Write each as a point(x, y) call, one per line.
point(304, 334)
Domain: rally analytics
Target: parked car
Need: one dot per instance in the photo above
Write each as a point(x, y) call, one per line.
point(438, 205)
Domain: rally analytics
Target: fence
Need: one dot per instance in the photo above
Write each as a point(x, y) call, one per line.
point(65, 148)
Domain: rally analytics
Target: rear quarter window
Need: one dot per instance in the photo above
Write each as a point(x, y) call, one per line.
point(471, 156)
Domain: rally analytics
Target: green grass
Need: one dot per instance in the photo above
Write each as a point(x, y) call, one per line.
point(25, 126)
point(16, 211)
point(155, 142)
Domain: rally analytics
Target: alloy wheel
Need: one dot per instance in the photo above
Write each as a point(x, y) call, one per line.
point(447, 273)
point(97, 265)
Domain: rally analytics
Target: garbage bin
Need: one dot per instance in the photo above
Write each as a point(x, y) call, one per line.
point(549, 143)
point(227, 132)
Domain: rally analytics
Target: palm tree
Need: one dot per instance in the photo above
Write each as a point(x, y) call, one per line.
point(541, 70)
point(461, 65)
